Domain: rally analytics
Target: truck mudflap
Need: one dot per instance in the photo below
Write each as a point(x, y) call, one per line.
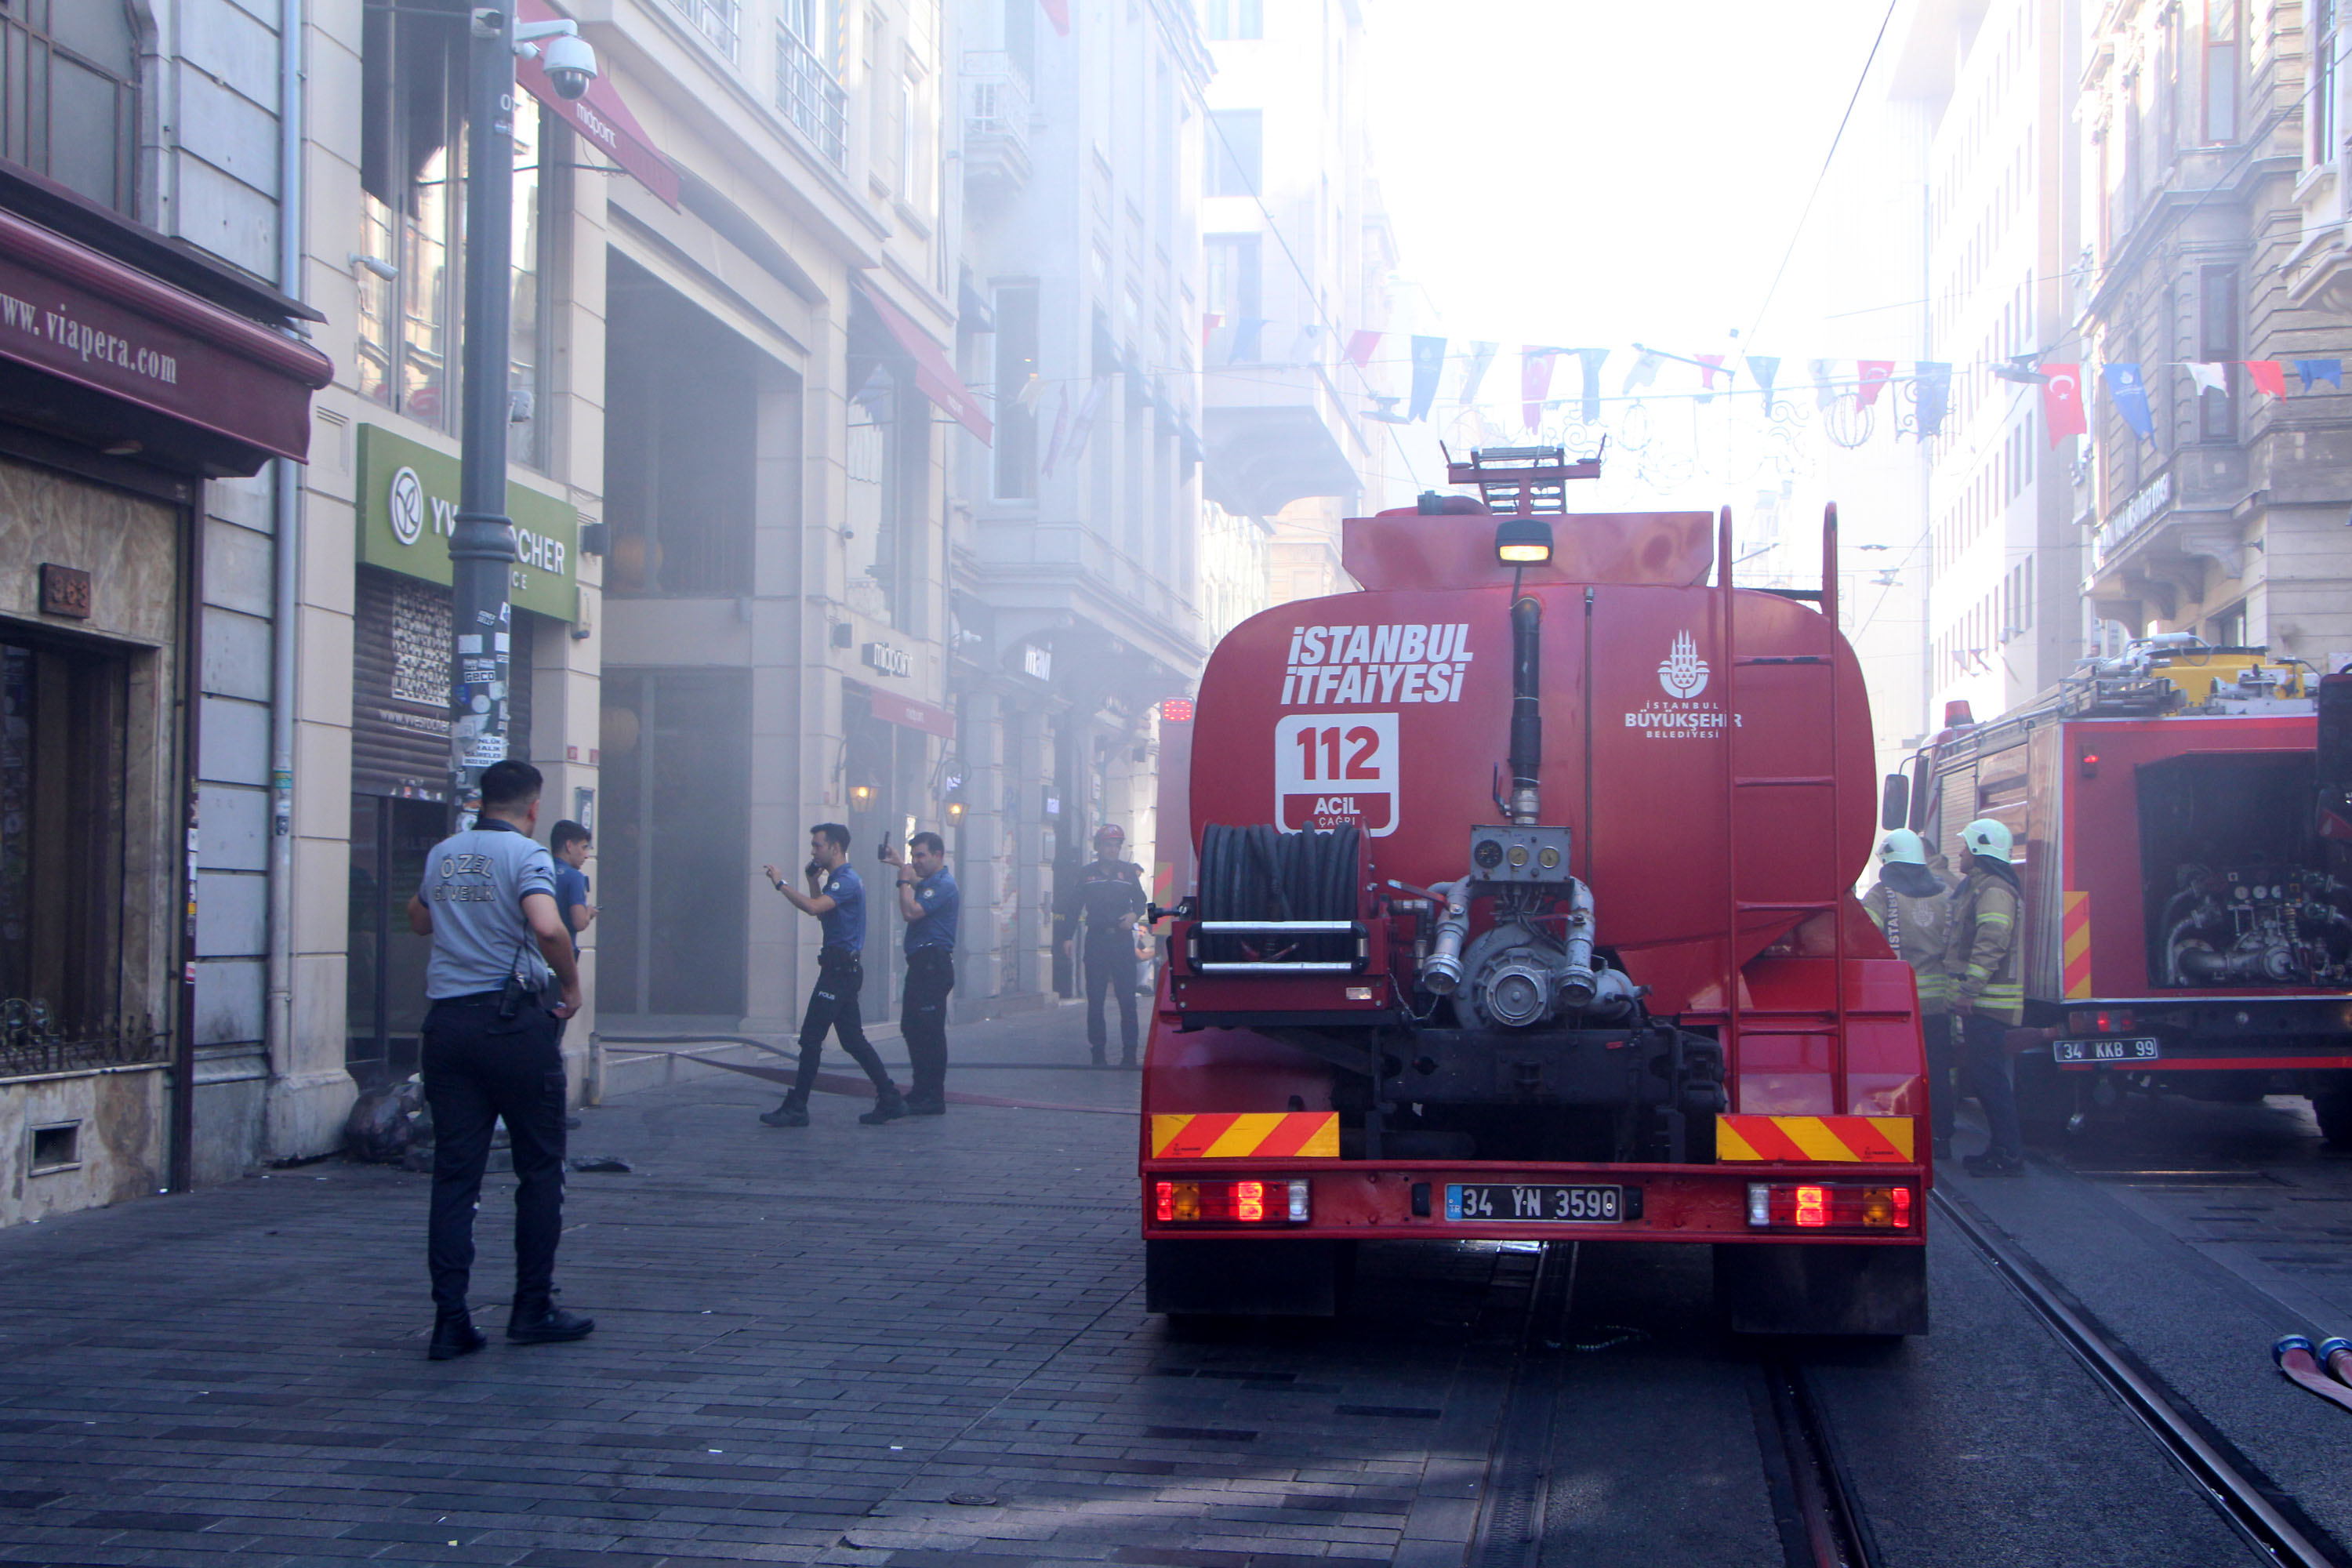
point(1874, 1204)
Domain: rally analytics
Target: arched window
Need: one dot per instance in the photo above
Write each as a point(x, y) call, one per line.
point(70, 95)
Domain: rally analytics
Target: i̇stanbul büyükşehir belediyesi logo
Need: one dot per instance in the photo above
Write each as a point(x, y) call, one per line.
point(1683, 673)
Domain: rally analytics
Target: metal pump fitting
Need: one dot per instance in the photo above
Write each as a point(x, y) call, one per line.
point(1577, 983)
point(1442, 973)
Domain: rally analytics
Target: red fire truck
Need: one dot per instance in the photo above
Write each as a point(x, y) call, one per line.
point(1521, 910)
point(2183, 814)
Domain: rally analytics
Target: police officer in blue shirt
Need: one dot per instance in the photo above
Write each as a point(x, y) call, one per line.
point(836, 897)
point(928, 901)
point(488, 899)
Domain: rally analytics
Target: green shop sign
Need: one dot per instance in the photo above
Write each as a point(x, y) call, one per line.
point(408, 506)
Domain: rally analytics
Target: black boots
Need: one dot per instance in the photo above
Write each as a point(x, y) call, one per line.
point(921, 1104)
point(1994, 1163)
point(791, 1113)
point(453, 1336)
point(545, 1324)
point(888, 1105)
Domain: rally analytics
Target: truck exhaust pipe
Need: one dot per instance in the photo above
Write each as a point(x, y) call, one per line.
point(1526, 715)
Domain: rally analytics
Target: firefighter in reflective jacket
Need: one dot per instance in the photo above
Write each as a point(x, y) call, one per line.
point(1908, 904)
point(1987, 993)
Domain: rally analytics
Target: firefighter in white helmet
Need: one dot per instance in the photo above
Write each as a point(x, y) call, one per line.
point(1908, 904)
point(1988, 995)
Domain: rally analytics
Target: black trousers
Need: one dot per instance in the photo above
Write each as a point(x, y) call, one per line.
point(923, 1017)
point(1987, 1069)
point(480, 1070)
point(834, 1006)
point(1938, 1030)
point(1110, 965)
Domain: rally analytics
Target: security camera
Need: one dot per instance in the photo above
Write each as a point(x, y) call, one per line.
point(569, 64)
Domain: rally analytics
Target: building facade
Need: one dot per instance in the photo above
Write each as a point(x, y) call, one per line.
point(1299, 266)
point(1077, 544)
point(2213, 223)
point(154, 403)
point(1996, 79)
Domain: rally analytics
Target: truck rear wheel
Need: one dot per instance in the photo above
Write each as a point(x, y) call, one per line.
point(1224, 1279)
point(1768, 1288)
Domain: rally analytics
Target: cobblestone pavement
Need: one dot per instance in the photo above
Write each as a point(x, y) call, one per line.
point(907, 1344)
point(923, 1346)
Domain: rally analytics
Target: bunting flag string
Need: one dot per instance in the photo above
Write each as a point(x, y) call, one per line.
point(1428, 365)
point(2129, 395)
point(2061, 403)
point(1874, 374)
point(2269, 375)
point(1482, 354)
point(2209, 377)
point(1248, 333)
point(1709, 367)
point(1591, 360)
point(1361, 346)
point(2316, 372)
point(1764, 369)
point(1534, 381)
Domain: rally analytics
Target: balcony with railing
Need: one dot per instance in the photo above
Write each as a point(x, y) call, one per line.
point(808, 95)
point(996, 114)
point(720, 21)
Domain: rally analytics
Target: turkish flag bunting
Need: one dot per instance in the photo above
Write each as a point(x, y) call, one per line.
point(1058, 13)
point(1535, 381)
point(2269, 375)
point(1361, 345)
point(2061, 402)
point(1875, 373)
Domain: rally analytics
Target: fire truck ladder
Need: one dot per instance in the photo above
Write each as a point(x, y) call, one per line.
point(1529, 480)
point(1736, 781)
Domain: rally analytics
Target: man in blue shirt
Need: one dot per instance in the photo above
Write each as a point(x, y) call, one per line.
point(836, 897)
point(569, 844)
point(928, 901)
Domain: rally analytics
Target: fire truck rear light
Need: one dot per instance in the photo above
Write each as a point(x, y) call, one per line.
point(1828, 1206)
point(1231, 1202)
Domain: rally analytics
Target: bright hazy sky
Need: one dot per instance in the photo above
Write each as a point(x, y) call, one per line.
point(1598, 172)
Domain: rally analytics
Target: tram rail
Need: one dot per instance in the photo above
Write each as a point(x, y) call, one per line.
point(2269, 1519)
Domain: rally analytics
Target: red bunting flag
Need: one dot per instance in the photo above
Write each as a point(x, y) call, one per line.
point(1210, 322)
point(1360, 348)
point(2269, 375)
point(1535, 381)
point(1875, 373)
point(2061, 402)
point(1058, 13)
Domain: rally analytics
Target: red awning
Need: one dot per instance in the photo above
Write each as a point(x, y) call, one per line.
point(909, 714)
point(934, 375)
point(89, 320)
point(600, 116)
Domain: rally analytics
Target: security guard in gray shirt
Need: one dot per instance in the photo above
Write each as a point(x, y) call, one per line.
point(487, 900)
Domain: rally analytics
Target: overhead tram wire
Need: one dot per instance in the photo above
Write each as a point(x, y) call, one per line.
point(1822, 178)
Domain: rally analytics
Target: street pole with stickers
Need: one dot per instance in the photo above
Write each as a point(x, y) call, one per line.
point(482, 542)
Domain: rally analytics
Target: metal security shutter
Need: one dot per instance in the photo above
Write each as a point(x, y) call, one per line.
point(400, 685)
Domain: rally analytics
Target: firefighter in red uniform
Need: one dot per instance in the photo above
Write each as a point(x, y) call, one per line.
point(1110, 900)
point(1988, 995)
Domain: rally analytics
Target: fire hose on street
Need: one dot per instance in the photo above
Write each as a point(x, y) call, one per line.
point(2299, 1360)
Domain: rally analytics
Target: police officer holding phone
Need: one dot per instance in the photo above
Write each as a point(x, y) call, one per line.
point(930, 903)
point(490, 1054)
point(836, 897)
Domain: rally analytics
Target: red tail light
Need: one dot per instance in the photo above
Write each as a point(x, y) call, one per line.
point(1231, 1202)
point(1828, 1206)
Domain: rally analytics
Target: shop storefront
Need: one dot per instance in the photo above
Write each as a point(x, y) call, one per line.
point(135, 373)
point(407, 504)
